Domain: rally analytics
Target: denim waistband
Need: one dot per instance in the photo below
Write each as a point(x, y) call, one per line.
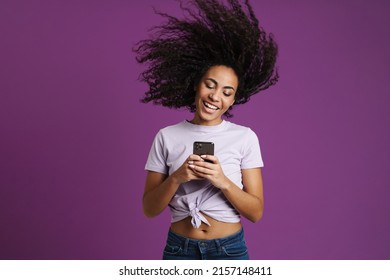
point(186, 242)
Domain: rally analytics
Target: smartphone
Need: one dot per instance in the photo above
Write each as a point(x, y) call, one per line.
point(203, 148)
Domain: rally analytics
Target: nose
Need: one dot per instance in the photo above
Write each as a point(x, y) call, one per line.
point(214, 96)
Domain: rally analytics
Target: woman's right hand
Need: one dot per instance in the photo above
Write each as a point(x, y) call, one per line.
point(184, 173)
point(159, 188)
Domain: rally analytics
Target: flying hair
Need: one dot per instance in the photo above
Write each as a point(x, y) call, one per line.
point(212, 32)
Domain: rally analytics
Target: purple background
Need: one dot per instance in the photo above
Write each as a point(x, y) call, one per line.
point(74, 138)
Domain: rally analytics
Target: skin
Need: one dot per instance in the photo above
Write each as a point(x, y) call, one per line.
point(216, 88)
point(215, 94)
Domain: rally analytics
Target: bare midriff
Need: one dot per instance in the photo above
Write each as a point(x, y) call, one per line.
point(216, 229)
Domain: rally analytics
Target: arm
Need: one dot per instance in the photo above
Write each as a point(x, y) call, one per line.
point(160, 188)
point(249, 201)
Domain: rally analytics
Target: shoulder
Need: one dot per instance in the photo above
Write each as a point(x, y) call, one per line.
point(240, 129)
point(173, 129)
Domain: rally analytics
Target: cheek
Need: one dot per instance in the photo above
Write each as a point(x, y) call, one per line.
point(201, 94)
point(229, 101)
point(233, 100)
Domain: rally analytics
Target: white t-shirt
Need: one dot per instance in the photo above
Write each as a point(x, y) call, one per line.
point(236, 147)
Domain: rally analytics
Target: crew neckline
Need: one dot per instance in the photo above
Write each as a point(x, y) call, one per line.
point(205, 128)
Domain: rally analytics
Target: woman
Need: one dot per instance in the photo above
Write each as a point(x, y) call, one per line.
point(218, 56)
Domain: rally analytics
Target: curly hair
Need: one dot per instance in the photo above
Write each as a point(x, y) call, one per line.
point(180, 51)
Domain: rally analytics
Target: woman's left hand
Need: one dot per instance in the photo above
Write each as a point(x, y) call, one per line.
point(210, 169)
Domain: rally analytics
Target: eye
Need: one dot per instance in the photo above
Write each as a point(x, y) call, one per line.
point(210, 86)
point(227, 94)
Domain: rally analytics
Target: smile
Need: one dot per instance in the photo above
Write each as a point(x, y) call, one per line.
point(210, 106)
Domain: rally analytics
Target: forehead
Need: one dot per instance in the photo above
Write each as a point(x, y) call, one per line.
point(223, 75)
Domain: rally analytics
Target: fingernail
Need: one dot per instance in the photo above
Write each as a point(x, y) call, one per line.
point(203, 156)
point(190, 162)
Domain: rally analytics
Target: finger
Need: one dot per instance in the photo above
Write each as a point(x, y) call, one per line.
point(200, 170)
point(194, 158)
point(193, 175)
point(195, 162)
point(205, 164)
point(209, 158)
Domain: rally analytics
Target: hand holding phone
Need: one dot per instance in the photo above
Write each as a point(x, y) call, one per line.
point(203, 148)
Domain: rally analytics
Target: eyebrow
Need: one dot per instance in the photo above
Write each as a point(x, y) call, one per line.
point(215, 82)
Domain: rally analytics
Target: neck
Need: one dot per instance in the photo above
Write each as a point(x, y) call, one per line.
point(198, 121)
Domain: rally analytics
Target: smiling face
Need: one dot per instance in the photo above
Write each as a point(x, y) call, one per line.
point(215, 93)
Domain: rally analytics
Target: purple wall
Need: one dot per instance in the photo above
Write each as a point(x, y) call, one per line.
point(74, 138)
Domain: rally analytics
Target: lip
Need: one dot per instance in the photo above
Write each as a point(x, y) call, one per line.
point(210, 110)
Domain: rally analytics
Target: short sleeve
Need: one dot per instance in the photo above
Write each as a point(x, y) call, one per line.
point(251, 152)
point(157, 156)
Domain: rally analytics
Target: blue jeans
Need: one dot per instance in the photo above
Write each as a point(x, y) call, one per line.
point(232, 247)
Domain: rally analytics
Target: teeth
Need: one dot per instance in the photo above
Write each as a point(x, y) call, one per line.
point(210, 106)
